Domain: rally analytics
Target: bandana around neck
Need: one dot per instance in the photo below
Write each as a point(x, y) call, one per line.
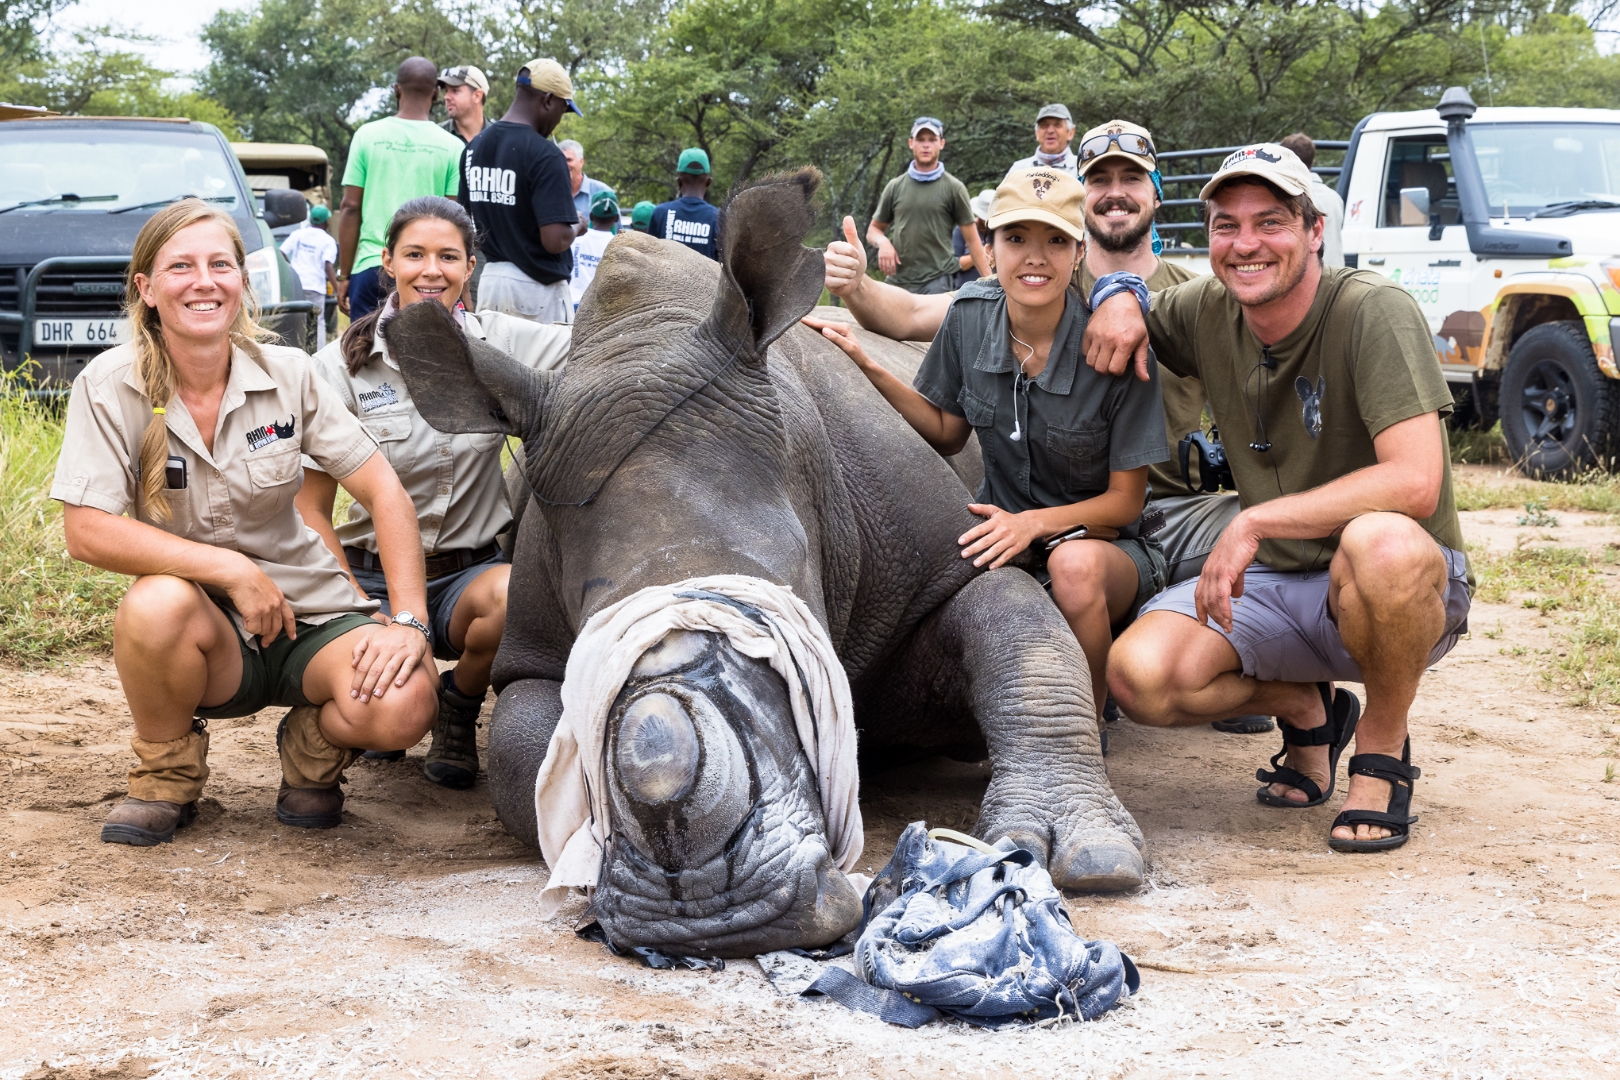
point(1052, 161)
point(925, 177)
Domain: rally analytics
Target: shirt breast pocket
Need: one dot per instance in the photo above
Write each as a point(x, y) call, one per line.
point(1079, 456)
point(486, 443)
point(979, 411)
point(275, 478)
point(392, 433)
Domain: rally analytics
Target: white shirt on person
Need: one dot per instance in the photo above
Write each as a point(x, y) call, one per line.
point(588, 250)
point(309, 250)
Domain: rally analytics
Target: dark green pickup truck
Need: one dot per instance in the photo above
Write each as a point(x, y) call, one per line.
point(74, 193)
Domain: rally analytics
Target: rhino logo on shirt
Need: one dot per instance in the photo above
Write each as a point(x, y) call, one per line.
point(1311, 410)
point(260, 437)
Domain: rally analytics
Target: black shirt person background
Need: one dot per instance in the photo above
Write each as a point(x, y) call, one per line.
point(690, 219)
point(514, 182)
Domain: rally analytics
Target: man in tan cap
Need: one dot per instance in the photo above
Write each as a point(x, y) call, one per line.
point(1347, 561)
point(465, 89)
point(514, 182)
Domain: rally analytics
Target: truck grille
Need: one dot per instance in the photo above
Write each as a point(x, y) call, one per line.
point(92, 293)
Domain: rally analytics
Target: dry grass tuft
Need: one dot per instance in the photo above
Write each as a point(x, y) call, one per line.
point(48, 602)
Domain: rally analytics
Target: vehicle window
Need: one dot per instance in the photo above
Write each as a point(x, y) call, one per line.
point(1532, 166)
point(109, 170)
point(1419, 161)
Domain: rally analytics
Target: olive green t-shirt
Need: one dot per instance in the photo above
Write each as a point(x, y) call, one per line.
point(1183, 398)
point(920, 217)
point(1362, 360)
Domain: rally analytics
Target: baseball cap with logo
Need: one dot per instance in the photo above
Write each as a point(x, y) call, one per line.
point(1268, 161)
point(1117, 139)
point(641, 215)
point(548, 77)
point(693, 160)
point(464, 75)
point(1049, 111)
point(927, 123)
point(1040, 194)
point(604, 205)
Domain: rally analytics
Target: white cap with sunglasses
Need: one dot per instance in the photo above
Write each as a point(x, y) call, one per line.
point(927, 123)
point(1117, 139)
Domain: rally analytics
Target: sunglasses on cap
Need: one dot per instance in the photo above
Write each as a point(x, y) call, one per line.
point(1097, 145)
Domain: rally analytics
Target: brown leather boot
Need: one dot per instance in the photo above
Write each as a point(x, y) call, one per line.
point(164, 787)
point(311, 772)
point(144, 824)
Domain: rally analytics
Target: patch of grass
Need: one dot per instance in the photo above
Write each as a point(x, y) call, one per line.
point(1535, 515)
point(48, 602)
point(1545, 578)
point(1596, 492)
point(1470, 446)
point(1590, 666)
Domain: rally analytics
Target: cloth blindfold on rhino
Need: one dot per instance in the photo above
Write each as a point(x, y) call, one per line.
point(698, 434)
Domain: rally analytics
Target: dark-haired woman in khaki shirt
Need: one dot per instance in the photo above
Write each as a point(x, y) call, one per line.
point(180, 464)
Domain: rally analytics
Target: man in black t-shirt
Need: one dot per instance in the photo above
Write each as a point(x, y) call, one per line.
point(514, 182)
point(690, 219)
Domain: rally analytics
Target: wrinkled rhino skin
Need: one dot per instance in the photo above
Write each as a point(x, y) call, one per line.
point(699, 429)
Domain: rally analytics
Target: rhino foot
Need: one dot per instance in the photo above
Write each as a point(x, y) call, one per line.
point(526, 713)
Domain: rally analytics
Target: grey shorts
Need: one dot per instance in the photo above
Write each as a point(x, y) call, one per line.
point(442, 594)
point(1282, 629)
point(1192, 524)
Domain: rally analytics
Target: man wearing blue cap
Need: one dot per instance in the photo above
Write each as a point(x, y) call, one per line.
point(690, 219)
point(911, 228)
point(514, 182)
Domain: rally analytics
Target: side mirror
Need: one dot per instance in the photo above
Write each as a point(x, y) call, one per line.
point(1414, 206)
point(284, 206)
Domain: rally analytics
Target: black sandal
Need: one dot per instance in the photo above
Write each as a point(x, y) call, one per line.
point(1343, 711)
point(1397, 817)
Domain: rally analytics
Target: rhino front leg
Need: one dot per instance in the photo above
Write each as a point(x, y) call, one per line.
point(526, 713)
point(1004, 646)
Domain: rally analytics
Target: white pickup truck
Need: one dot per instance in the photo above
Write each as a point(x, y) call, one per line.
point(1504, 225)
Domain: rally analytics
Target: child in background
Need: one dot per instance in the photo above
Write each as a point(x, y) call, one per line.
point(589, 245)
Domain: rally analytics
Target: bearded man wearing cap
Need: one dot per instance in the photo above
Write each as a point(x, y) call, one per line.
point(1054, 131)
point(911, 227)
point(514, 182)
point(465, 89)
point(1346, 563)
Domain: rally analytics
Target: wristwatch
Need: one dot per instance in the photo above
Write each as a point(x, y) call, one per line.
point(405, 618)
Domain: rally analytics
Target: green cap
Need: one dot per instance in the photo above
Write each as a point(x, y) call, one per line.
point(693, 160)
point(604, 205)
point(319, 214)
point(641, 216)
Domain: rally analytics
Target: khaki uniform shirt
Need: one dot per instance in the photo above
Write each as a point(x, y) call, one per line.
point(1183, 398)
point(1362, 360)
point(240, 496)
point(454, 480)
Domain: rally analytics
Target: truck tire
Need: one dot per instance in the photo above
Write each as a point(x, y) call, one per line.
point(1560, 413)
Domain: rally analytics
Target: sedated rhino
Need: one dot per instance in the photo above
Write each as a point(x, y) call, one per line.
point(675, 445)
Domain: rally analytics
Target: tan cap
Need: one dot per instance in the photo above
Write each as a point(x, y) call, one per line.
point(464, 75)
point(1268, 161)
point(1117, 139)
point(1040, 194)
point(548, 77)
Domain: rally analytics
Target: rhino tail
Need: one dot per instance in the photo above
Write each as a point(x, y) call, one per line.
point(769, 279)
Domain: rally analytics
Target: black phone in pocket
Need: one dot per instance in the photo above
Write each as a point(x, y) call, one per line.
point(175, 472)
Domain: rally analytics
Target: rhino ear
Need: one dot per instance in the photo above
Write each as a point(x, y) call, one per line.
point(459, 384)
point(768, 278)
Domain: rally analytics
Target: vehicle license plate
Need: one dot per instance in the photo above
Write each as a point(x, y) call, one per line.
point(65, 333)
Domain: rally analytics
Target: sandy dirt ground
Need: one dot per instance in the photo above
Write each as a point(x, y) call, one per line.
point(404, 943)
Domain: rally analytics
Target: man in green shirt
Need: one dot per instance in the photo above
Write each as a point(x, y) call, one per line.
point(391, 161)
point(920, 208)
point(1346, 562)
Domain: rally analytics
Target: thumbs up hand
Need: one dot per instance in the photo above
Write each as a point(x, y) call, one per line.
point(845, 262)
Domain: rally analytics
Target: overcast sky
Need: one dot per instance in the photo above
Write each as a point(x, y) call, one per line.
point(177, 26)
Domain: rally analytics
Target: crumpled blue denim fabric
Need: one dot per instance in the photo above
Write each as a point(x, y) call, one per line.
point(983, 937)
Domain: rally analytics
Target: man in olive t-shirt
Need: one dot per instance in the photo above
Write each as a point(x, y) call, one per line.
point(911, 227)
point(1346, 562)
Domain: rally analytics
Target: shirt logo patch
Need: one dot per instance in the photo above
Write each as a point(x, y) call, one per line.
point(1311, 409)
point(491, 185)
point(376, 399)
point(261, 437)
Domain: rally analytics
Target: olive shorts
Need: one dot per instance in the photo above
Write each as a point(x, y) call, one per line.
point(274, 674)
point(1143, 551)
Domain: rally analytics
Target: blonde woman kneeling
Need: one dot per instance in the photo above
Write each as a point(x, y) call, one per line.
point(179, 467)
